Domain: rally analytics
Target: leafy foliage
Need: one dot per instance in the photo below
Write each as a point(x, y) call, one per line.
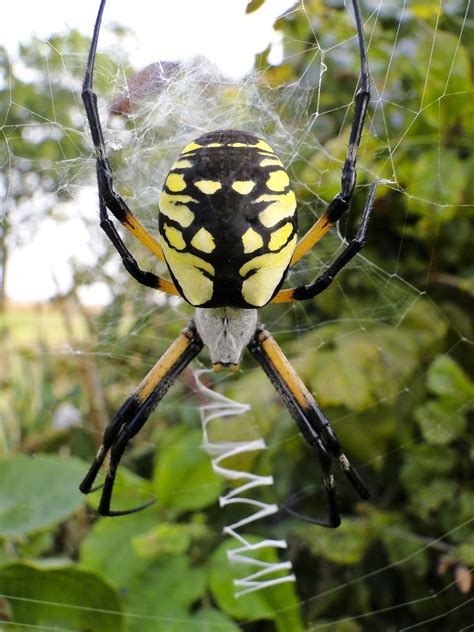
point(37, 493)
point(46, 594)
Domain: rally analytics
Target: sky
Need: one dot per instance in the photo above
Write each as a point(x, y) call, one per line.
point(165, 30)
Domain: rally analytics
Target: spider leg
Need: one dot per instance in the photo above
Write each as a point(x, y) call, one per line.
point(324, 459)
point(108, 197)
point(313, 424)
point(341, 201)
point(135, 411)
point(326, 278)
point(149, 279)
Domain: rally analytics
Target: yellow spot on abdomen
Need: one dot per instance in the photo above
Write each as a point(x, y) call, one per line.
point(203, 240)
point(174, 237)
point(188, 271)
point(269, 268)
point(280, 206)
point(208, 186)
point(270, 162)
point(278, 180)
point(191, 147)
point(280, 236)
point(243, 186)
point(174, 207)
point(251, 240)
point(175, 182)
point(181, 164)
point(264, 145)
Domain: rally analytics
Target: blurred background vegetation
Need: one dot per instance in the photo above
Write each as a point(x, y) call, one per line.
point(387, 350)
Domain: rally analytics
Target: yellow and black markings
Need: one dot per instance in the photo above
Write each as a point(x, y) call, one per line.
point(228, 221)
point(314, 234)
point(165, 365)
point(133, 226)
point(286, 373)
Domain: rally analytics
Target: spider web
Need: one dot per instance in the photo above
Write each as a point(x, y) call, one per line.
point(177, 102)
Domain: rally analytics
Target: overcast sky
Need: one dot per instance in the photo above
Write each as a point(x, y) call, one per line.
point(165, 29)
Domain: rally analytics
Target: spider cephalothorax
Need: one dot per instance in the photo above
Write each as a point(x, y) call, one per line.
point(227, 227)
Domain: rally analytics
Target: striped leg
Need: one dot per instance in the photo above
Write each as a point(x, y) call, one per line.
point(108, 197)
point(341, 202)
point(135, 411)
point(325, 279)
point(312, 422)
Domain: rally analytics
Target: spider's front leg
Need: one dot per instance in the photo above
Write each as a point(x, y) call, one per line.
point(135, 411)
point(108, 197)
point(324, 280)
point(342, 200)
point(312, 422)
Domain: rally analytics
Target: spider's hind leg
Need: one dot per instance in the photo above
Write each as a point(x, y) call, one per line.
point(312, 422)
point(125, 412)
point(135, 411)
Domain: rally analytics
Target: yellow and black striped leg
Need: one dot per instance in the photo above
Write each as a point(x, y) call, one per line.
point(108, 197)
point(312, 422)
point(135, 411)
point(149, 279)
point(341, 201)
point(311, 290)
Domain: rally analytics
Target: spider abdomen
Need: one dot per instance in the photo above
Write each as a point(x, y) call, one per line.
point(228, 221)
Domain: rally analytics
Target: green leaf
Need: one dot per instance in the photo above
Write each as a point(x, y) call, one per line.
point(444, 77)
point(465, 552)
point(353, 372)
point(324, 167)
point(108, 537)
point(215, 621)
point(435, 182)
point(163, 588)
point(362, 367)
point(35, 545)
point(183, 478)
point(345, 545)
point(447, 379)
point(423, 463)
point(253, 5)
point(466, 503)
point(443, 420)
point(278, 603)
point(168, 538)
point(431, 497)
point(65, 596)
point(440, 423)
point(164, 591)
point(402, 547)
point(38, 492)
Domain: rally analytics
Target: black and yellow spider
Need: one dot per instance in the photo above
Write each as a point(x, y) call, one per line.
point(227, 232)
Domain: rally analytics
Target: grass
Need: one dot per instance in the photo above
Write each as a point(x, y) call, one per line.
point(25, 324)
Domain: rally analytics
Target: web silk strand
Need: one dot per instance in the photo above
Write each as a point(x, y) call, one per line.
point(216, 407)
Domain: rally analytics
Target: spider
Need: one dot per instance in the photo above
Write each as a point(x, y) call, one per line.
point(227, 232)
